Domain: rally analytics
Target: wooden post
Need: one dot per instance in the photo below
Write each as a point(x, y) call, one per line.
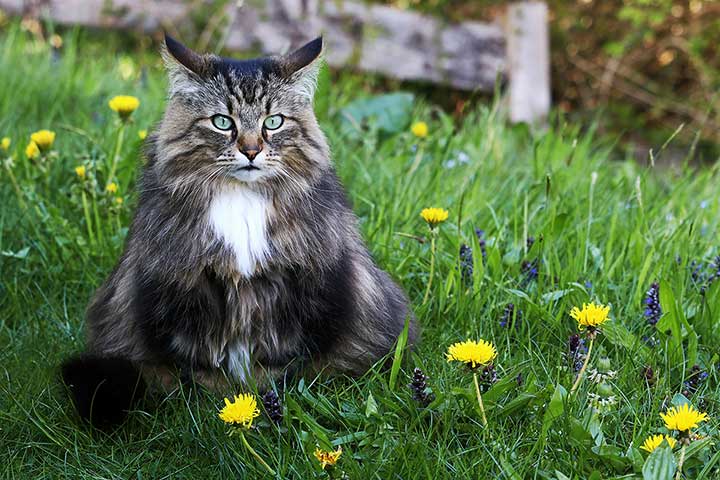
point(528, 52)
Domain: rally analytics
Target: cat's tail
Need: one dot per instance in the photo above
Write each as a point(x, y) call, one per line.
point(103, 389)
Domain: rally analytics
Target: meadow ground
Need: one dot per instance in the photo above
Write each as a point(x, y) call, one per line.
point(563, 223)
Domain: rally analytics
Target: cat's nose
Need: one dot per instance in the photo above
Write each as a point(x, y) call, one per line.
point(250, 149)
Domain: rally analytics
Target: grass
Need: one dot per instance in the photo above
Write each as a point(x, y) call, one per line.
point(604, 230)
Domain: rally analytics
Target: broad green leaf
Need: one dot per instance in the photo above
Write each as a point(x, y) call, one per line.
point(388, 113)
point(371, 407)
point(349, 438)
point(320, 404)
point(619, 335)
point(399, 350)
point(555, 295)
point(468, 393)
point(499, 389)
point(611, 455)
point(20, 254)
point(559, 224)
point(320, 432)
point(660, 464)
point(597, 257)
point(520, 294)
point(523, 400)
point(679, 400)
point(697, 447)
point(580, 434)
point(674, 320)
point(640, 290)
point(513, 256)
point(595, 429)
point(636, 459)
point(555, 408)
point(670, 323)
point(709, 466)
point(517, 404)
point(710, 312)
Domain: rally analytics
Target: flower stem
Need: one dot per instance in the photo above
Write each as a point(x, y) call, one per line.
point(590, 219)
point(255, 454)
point(96, 214)
point(479, 399)
point(415, 164)
point(16, 187)
point(116, 154)
point(581, 373)
point(88, 222)
point(678, 474)
point(432, 266)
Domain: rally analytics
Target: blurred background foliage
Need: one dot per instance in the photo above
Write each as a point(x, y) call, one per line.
point(643, 72)
point(639, 68)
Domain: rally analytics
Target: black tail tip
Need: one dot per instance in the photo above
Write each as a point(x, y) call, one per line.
point(103, 388)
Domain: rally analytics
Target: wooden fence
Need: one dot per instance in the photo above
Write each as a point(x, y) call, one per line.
point(398, 43)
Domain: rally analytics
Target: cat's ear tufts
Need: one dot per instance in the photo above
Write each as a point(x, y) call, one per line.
point(176, 53)
point(303, 65)
point(304, 56)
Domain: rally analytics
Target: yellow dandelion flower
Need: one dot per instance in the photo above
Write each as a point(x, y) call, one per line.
point(683, 418)
point(80, 171)
point(126, 68)
point(241, 411)
point(472, 353)
point(591, 315)
point(44, 139)
point(434, 216)
point(119, 200)
point(5, 143)
point(124, 105)
point(654, 441)
point(419, 129)
point(32, 150)
point(142, 134)
point(111, 187)
point(31, 25)
point(327, 457)
point(56, 41)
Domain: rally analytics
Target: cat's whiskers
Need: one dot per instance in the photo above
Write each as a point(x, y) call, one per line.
point(289, 178)
point(177, 183)
point(193, 182)
point(302, 188)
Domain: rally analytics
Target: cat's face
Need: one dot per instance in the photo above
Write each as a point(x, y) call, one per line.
point(248, 122)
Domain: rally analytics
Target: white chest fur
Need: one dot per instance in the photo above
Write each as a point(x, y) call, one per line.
point(238, 217)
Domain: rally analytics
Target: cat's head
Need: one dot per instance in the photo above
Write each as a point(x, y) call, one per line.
point(240, 121)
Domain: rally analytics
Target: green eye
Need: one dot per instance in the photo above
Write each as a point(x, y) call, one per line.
point(222, 122)
point(273, 122)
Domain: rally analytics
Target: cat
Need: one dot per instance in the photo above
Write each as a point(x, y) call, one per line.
point(244, 260)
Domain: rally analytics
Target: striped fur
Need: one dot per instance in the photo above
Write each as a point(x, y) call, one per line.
point(229, 272)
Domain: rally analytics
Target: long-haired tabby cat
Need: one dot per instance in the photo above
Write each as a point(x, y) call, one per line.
point(244, 258)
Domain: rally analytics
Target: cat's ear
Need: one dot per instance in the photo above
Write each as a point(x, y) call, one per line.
point(176, 53)
point(303, 65)
point(182, 63)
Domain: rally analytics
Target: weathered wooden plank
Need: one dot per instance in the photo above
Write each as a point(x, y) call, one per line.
point(528, 49)
point(374, 38)
point(145, 15)
point(398, 43)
